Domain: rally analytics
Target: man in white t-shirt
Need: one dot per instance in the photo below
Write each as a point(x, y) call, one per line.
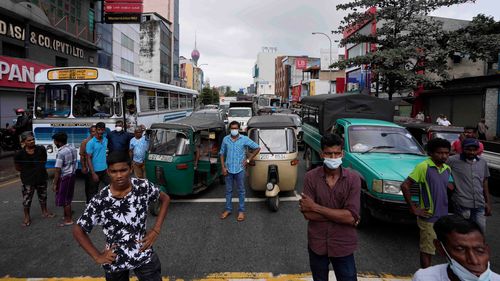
point(462, 243)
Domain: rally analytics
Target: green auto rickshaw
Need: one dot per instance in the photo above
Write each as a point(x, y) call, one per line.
point(183, 155)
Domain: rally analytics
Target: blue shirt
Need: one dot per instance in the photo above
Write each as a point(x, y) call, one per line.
point(97, 149)
point(139, 148)
point(119, 141)
point(235, 152)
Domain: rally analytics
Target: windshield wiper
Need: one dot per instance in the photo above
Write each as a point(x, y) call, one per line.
point(267, 147)
point(377, 147)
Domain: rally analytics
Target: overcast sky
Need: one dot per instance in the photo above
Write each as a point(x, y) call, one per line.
point(230, 33)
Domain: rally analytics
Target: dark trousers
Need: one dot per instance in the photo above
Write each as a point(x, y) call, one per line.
point(150, 271)
point(344, 267)
point(92, 187)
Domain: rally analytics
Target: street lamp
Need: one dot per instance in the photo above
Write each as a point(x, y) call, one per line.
point(330, 66)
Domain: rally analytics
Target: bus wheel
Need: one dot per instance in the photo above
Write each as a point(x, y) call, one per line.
point(273, 203)
point(154, 208)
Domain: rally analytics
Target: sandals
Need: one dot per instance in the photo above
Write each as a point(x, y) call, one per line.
point(241, 216)
point(48, 216)
point(225, 214)
point(63, 224)
point(26, 224)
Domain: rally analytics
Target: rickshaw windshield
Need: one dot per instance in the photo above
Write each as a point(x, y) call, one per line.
point(449, 136)
point(167, 142)
point(275, 140)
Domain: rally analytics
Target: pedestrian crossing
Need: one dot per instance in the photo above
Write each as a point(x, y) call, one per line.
point(234, 276)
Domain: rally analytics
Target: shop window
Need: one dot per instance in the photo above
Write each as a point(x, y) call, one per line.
point(11, 50)
point(62, 62)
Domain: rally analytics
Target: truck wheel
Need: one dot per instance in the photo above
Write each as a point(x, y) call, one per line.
point(308, 157)
point(273, 203)
point(154, 208)
point(365, 217)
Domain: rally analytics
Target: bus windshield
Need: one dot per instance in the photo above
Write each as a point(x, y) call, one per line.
point(52, 101)
point(94, 101)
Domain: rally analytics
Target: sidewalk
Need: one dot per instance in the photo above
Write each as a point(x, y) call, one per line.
point(7, 169)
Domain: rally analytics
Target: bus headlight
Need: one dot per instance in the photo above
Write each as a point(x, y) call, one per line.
point(50, 148)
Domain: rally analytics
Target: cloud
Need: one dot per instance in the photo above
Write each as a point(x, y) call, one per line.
point(230, 33)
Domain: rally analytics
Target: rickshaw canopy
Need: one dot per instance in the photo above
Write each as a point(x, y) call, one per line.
point(271, 121)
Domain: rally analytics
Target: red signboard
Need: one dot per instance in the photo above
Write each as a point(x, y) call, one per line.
point(19, 73)
point(123, 7)
point(301, 63)
point(296, 91)
point(124, 1)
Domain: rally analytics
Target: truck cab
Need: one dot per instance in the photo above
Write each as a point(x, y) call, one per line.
point(381, 152)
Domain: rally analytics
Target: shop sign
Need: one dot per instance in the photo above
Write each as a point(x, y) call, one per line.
point(301, 63)
point(123, 8)
point(18, 73)
point(18, 32)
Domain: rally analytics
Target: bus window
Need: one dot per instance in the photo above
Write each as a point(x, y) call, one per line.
point(182, 101)
point(174, 101)
point(189, 102)
point(162, 100)
point(53, 101)
point(93, 100)
point(147, 99)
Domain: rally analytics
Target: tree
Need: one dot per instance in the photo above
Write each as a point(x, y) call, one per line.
point(410, 49)
point(231, 94)
point(209, 96)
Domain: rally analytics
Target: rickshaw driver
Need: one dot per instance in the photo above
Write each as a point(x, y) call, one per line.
point(234, 161)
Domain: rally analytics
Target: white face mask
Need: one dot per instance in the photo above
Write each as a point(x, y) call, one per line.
point(118, 128)
point(234, 132)
point(462, 273)
point(332, 163)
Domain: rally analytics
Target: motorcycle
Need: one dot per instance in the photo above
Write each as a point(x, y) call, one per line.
point(8, 140)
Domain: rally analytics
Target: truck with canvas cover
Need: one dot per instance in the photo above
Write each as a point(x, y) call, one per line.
point(381, 152)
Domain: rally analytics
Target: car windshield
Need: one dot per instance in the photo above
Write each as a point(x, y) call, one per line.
point(204, 114)
point(53, 101)
point(94, 101)
point(243, 112)
point(168, 142)
point(274, 140)
point(449, 136)
point(380, 139)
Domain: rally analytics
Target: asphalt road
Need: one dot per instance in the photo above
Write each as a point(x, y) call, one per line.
point(194, 242)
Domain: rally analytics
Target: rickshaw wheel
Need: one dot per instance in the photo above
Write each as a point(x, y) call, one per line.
point(308, 158)
point(154, 208)
point(273, 203)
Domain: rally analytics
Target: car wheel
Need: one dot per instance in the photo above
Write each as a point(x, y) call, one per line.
point(154, 208)
point(273, 203)
point(365, 217)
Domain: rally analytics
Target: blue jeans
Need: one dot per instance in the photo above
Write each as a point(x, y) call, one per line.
point(239, 178)
point(344, 267)
point(473, 214)
point(150, 271)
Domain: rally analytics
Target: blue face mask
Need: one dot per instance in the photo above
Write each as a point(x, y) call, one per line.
point(234, 132)
point(462, 273)
point(332, 163)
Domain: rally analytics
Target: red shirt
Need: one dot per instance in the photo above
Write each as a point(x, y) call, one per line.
point(457, 147)
point(328, 237)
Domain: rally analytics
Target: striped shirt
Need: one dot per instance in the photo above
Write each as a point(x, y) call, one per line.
point(66, 160)
point(235, 152)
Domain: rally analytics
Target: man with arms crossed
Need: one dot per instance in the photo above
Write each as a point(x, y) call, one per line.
point(330, 202)
point(121, 209)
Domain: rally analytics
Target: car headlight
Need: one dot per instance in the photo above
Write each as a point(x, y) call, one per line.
point(387, 186)
point(392, 187)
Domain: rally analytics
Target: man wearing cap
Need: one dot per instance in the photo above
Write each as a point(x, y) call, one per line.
point(471, 197)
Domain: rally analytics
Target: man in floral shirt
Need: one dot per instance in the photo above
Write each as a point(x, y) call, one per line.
point(121, 210)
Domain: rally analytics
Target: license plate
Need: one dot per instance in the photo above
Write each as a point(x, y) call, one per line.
point(158, 157)
point(272, 157)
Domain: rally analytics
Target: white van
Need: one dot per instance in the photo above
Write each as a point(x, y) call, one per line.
point(241, 115)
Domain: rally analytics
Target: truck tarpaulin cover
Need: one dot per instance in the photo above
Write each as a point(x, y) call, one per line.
point(333, 107)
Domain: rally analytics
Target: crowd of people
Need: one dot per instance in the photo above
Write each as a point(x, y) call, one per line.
point(330, 202)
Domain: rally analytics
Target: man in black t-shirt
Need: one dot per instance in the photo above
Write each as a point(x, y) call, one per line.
point(30, 161)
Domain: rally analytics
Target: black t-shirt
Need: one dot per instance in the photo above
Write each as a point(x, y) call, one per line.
point(32, 165)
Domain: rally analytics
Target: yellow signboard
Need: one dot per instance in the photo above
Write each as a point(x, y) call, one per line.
point(312, 88)
point(72, 74)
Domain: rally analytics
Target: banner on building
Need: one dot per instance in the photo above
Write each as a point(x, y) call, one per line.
point(19, 73)
point(122, 11)
point(301, 63)
point(296, 91)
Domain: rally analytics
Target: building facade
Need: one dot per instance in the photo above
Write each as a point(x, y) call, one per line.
point(264, 71)
point(37, 35)
point(155, 48)
point(126, 49)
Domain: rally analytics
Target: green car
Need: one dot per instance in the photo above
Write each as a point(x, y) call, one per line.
point(183, 155)
point(381, 152)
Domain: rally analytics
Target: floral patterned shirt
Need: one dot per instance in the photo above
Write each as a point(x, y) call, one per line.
point(123, 222)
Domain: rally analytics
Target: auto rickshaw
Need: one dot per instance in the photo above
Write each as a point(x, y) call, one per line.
point(274, 169)
point(183, 155)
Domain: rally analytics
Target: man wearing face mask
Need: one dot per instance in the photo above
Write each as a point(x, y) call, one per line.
point(234, 161)
point(462, 243)
point(118, 139)
point(330, 202)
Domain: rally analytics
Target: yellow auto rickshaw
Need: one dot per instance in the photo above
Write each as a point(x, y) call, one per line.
point(274, 169)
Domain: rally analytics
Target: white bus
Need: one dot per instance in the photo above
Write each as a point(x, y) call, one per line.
point(71, 99)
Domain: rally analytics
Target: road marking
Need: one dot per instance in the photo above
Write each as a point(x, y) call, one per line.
point(238, 276)
point(10, 182)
